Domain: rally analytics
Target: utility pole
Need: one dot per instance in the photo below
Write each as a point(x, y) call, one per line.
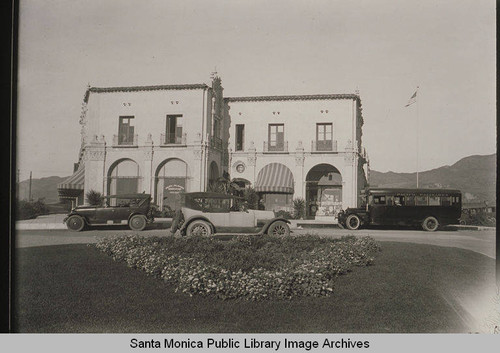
point(29, 198)
point(17, 185)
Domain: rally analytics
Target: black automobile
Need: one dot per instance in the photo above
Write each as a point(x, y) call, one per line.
point(130, 209)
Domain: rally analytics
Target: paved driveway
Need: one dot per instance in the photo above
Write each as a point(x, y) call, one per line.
point(482, 242)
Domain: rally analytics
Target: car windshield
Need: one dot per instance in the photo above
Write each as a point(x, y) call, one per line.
point(126, 201)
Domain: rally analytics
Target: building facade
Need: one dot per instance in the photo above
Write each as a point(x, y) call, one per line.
point(164, 140)
point(307, 146)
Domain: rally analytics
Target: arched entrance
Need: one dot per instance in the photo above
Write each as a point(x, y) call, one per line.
point(170, 181)
point(213, 173)
point(275, 187)
point(323, 191)
point(123, 177)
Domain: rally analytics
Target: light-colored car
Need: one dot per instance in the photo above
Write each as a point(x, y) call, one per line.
point(212, 213)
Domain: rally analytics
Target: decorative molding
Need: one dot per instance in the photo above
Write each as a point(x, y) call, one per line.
point(349, 158)
point(148, 154)
point(94, 155)
point(299, 159)
point(197, 154)
point(252, 158)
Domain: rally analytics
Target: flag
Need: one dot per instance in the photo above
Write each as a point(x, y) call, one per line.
point(412, 99)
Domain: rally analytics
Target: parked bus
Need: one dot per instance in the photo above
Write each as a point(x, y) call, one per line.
point(426, 208)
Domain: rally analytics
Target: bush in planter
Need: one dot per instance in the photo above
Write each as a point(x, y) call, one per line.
point(299, 208)
point(94, 198)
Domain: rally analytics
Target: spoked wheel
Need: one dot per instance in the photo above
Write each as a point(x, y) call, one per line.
point(353, 222)
point(75, 223)
point(430, 224)
point(199, 228)
point(279, 228)
point(137, 222)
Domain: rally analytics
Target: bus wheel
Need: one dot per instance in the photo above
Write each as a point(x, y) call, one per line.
point(353, 222)
point(430, 224)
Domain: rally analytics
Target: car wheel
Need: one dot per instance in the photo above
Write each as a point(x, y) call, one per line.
point(75, 223)
point(199, 228)
point(279, 228)
point(353, 222)
point(137, 222)
point(430, 224)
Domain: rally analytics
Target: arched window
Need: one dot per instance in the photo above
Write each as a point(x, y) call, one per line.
point(124, 178)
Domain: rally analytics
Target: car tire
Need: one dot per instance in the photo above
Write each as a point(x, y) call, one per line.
point(430, 224)
point(199, 228)
point(353, 222)
point(279, 228)
point(75, 223)
point(137, 222)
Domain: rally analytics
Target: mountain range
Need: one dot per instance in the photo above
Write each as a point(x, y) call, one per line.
point(475, 176)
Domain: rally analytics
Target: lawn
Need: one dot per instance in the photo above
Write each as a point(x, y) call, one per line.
point(410, 288)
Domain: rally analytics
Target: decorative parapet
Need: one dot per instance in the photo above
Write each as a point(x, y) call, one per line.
point(125, 141)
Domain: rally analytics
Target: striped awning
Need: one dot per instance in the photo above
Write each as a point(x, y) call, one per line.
point(74, 184)
point(275, 177)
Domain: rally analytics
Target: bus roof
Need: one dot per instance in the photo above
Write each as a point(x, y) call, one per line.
point(381, 191)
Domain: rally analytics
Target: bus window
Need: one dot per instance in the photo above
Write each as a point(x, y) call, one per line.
point(390, 200)
point(445, 200)
point(433, 200)
point(456, 199)
point(410, 200)
point(379, 200)
point(399, 200)
point(421, 200)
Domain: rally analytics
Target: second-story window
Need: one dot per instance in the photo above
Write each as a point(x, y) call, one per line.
point(276, 137)
point(240, 137)
point(324, 136)
point(126, 130)
point(173, 134)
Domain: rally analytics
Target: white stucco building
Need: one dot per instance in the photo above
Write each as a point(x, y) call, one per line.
point(305, 146)
point(168, 139)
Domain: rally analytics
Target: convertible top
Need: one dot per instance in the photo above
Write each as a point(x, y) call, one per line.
point(128, 196)
point(211, 195)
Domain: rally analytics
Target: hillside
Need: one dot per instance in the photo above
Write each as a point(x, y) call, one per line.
point(41, 188)
point(475, 176)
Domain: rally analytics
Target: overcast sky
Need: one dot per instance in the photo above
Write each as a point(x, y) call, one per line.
point(383, 48)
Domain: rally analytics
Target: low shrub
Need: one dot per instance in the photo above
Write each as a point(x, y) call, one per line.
point(31, 209)
point(250, 267)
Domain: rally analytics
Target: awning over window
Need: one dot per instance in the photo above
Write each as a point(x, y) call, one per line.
point(73, 186)
point(275, 177)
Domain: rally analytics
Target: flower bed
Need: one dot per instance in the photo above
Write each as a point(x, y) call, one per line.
point(251, 267)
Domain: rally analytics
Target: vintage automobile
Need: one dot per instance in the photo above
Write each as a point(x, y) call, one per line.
point(208, 213)
point(425, 208)
point(130, 209)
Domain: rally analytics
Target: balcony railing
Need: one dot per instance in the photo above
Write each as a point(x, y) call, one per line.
point(324, 146)
point(173, 139)
point(125, 140)
point(216, 143)
point(276, 148)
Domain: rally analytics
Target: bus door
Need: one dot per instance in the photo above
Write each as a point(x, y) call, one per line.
point(378, 209)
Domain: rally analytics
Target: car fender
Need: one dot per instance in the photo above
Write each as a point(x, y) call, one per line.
point(195, 218)
point(136, 213)
point(271, 221)
point(76, 214)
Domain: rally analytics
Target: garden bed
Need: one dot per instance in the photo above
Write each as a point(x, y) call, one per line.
point(250, 267)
